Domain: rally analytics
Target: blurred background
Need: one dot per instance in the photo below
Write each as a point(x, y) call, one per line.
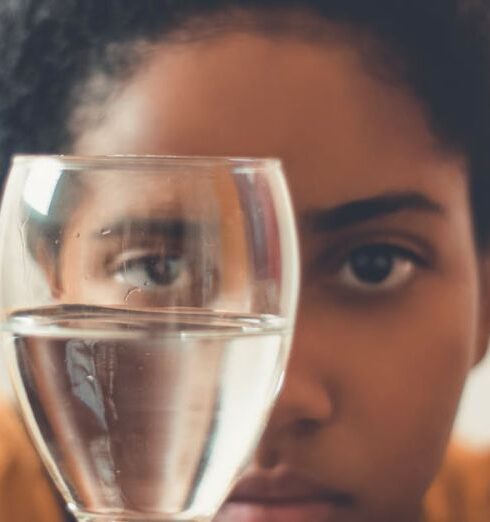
point(473, 422)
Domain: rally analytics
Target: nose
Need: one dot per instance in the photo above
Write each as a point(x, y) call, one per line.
point(304, 407)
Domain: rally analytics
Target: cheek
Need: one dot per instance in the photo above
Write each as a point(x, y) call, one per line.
point(395, 372)
point(408, 394)
point(420, 352)
point(406, 353)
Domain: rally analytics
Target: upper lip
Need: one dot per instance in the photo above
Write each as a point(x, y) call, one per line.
point(286, 488)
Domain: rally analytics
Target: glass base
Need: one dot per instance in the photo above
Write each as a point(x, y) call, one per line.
point(95, 518)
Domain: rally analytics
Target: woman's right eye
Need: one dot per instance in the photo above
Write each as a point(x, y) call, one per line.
point(151, 270)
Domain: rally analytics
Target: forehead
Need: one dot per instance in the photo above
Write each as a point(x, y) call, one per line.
point(342, 132)
point(104, 198)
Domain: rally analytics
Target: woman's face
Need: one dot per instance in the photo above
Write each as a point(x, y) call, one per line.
point(389, 319)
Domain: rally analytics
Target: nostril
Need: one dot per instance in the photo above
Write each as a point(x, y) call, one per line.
point(305, 427)
point(267, 457)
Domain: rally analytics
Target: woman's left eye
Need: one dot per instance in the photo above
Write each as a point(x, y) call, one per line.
point(377, 268)
point(150, 270)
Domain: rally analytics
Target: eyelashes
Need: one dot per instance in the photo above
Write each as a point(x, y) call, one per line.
point(150, 270)
point(374, 264)
point(165, 278)
point(363, 267)
point(377, 268)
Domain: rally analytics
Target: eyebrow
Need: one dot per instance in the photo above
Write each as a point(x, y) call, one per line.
point(176, 228)
point(361, 210)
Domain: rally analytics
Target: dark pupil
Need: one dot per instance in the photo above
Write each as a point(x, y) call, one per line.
point(162, 270)
point(372, 264)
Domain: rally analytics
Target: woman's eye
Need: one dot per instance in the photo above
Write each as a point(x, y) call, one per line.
point(150, 270)
point(377, 268)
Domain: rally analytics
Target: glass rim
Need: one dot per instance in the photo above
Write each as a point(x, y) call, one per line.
point(127, 161)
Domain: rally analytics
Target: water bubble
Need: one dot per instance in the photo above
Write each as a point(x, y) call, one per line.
point(105, 231)
point(90, 378)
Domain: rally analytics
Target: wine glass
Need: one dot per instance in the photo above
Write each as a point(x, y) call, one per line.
point(148, 305)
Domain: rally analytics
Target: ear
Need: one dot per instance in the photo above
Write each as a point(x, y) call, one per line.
point(484, 312)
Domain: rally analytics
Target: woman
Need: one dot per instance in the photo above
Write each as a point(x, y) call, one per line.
point(379, 110)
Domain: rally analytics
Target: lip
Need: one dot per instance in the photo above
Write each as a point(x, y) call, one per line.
point(284, 497)
point(277, 512)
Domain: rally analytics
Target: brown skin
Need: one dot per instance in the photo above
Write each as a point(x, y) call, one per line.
point(104, 255)
point(376, 372)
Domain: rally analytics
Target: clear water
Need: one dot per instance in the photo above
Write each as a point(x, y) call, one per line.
point(145, 415)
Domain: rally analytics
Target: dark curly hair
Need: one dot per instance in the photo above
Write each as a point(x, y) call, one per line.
point(438, 49)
